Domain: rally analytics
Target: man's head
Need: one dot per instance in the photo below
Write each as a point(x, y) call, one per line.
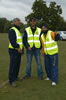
point(16, 21)
point(44, 28)
point(33, 22)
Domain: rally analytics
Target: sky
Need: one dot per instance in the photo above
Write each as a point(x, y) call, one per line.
point(21, 8)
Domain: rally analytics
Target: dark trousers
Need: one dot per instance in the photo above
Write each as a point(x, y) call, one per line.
point(15, 59)
point(51, 67)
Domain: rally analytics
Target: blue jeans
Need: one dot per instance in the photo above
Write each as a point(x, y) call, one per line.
point(30, 54)
point(51, 67)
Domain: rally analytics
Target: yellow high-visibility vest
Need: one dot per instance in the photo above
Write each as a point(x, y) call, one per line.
point(18, 39)
point(50, 46)
point(33, 39)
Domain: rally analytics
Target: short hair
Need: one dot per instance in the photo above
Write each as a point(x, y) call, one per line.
point(32, 18)
point(43, 24)
point(14, 20)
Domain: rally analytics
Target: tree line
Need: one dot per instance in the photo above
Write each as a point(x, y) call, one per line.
point(5, 25)
point(50, 15)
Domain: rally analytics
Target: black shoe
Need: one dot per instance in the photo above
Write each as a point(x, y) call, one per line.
point(26, 77)
point(41, 78)
point(13, 84)
point(18, 79)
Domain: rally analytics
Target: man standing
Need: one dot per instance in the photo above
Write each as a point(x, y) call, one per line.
point(32, 43)
point(15, 50)
point(50, 51)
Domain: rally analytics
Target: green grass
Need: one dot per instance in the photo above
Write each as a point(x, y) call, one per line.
point(33, 88)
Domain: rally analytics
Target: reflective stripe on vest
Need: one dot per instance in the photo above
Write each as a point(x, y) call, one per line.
point(50, 46)
point(33, 39)
point(18, 38)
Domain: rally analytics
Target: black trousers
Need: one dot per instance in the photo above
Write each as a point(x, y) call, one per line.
point(15, 59)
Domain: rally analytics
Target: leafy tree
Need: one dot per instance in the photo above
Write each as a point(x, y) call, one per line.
point(50, 15)
point(39, 11)
point(6, 24)
point(2, 23)
point(54, 12)
point(62, 25)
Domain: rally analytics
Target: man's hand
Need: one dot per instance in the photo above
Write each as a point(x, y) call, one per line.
point(29, 49)
point(56, 33)
point(19, 50)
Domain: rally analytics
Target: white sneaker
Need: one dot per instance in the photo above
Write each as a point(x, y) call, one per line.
point(47, 78)
point(53, 83)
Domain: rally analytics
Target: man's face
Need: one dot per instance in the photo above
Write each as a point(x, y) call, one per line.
point(18, 22)
point(44, 29)
point(33, 22)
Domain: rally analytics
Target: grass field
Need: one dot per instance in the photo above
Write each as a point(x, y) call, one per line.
point(33, 88)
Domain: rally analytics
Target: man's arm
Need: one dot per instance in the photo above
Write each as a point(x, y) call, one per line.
point(12, 38)
point(42, 45)
point(55, 36)
point(25, 40)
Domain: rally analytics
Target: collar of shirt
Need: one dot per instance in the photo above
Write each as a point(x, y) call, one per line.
point(33, 30)
point(17, 27)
